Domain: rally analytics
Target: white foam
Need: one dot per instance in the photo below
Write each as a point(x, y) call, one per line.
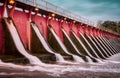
point(19, 45)
point(59, 57)
point(89, 59)
point(76, 58)
point(71, 41)
point(96, 46)
point(89, 45)
point(82, 44)
point(57, 70)
point(114, 58)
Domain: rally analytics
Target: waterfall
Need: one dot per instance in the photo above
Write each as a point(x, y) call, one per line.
point(104, 46)
point(63, 46)
point(111, 44)
point(89, 59)
point(95, 46)
point(71, 42)
point(100, 46)
point(115, 50)
point(82, 45)
point(105, 43)
point(89, 44)
point(78, 59)
point(59, 57)
point(18, 43)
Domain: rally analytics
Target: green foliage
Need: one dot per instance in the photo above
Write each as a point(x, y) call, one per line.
point(110, 25)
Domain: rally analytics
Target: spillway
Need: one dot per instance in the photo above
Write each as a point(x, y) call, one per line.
point(18, 43)
point(59, 58)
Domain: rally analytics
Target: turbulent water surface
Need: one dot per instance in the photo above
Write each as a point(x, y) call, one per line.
point(107, 69)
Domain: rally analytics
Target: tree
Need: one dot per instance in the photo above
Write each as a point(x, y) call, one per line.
point(110, 26)
point(118, 27)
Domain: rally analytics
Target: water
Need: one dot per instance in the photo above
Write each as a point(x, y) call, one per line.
point(115, 50)
point(55, 70)
point(71, 42)
point(59, 57)
point(96, 46)
point(105, 43)
point(115, 57)
point(112, 45)
point(89, 45)
point(5, 13)
point(89, 59)
point(78, 59)
point(58, 70)
point(82, 45)
point(19, 45)
point(104, 46)
point(100, 46)
point(63, 46)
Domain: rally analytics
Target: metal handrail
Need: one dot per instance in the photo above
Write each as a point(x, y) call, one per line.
point(57, 10)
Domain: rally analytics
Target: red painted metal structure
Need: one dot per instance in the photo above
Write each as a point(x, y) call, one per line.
point(56, 26)
point(22, 23)
point(42, 23)
point(2, 41)
point(81, 29)
point(66, 27)
point(75, 29)
point(21, 20)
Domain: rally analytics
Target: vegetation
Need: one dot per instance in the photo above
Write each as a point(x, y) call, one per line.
point(110, 26)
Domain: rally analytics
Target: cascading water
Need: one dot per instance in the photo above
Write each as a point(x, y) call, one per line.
point(105, 43)
point(113, 45)
point(104, 46)
point(5, 13)
point(59, 57)
point(89, 45)
point(78, 59)
point(64, 48)
point(82, 44)
point(71, 41)
point(53, 70)
point(95, 45)
point(18, 43)
point(105, 40)
point(89, 59)
point(100, 45)
point(83, 47)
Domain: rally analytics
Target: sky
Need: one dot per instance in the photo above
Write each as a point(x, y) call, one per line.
point(94, 10)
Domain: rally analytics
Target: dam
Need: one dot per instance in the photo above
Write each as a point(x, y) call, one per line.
point(37, 36)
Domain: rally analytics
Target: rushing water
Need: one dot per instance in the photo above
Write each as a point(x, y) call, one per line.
point(82, 44)
point(58, 70)
point(104, 46)
point(96, 46)
point(89, 45)
point(71, 41)
point(18, 43)
point(100, 45)
point(59, 57)
point(54, 69)
point(107, 43)
point(89, 59)
point(76, 58)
